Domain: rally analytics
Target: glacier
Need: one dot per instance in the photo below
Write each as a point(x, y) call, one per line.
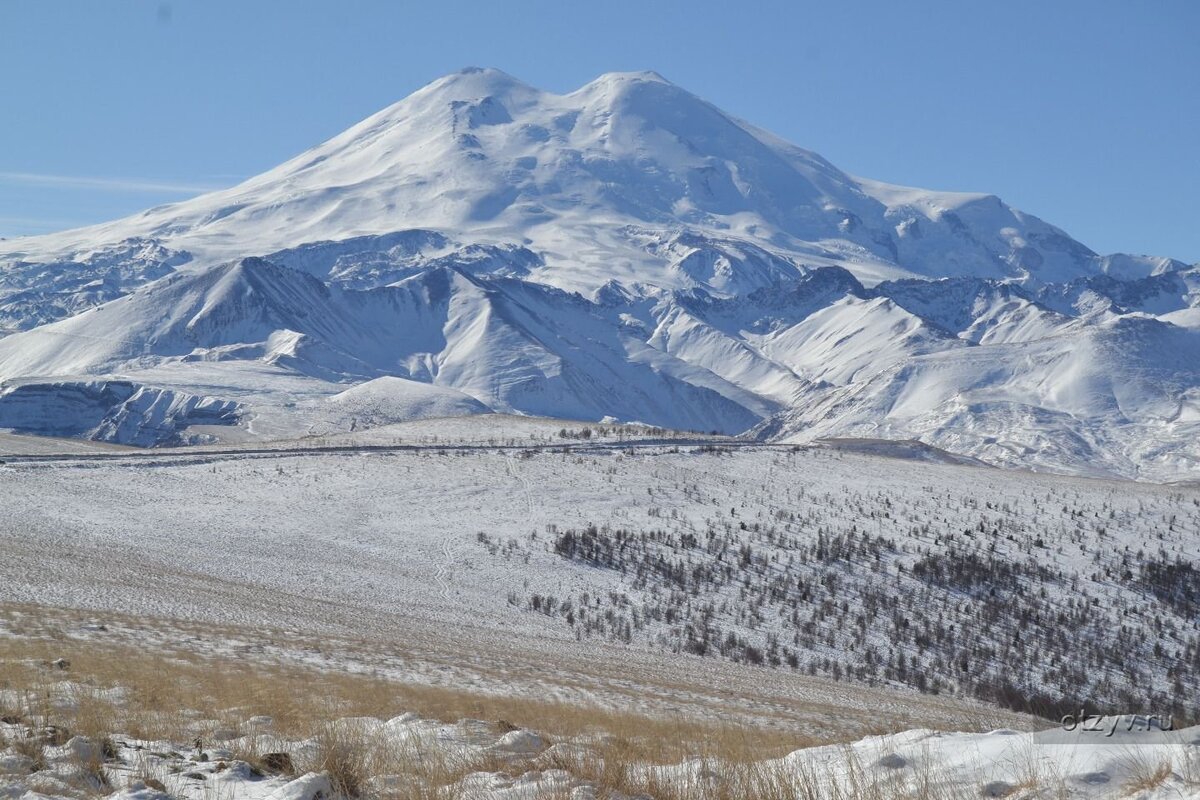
point(625, 251)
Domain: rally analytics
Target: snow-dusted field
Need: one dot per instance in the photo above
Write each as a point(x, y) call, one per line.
point(951, 579)
point(519, 558)
point(409, 756)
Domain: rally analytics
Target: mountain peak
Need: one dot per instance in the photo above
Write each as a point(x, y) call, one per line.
point(444, 238)
point(481, 74)
point(642, 91)
point(472, 83)
point(597, 183)
point(636, 76)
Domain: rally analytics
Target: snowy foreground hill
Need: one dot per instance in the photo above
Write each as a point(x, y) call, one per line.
point(886, 628)
point(1040, 593)
point(627, 252)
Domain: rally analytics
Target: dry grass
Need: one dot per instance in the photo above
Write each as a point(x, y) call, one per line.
point(1187, 766)
point(348, 756)
point(179, 696)
point(91, 774)
point(1146, 772)
point(31, 746)
point(719, 779)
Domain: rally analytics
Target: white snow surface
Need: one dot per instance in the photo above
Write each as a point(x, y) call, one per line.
point(623, 251)
point(414, 551)
point(1091, 764)
point(594, 181)
point(447, 529)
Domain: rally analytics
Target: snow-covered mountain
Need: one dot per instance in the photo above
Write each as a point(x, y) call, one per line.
point(626, 250)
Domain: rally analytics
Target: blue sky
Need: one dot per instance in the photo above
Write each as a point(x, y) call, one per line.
point(1084, 113)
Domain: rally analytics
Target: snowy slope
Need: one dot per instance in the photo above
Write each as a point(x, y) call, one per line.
point(805, 559)
point(1119, 398)
point(110, 411)
point(623, 251)
point(982, 312)
point(970, 366)
point(599, 183)
point(506, 344)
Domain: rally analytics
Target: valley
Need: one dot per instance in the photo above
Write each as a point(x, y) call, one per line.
point(913, 572)
point(594, 445)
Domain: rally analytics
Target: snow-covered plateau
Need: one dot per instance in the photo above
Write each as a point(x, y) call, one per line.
point(832, 592)
point(626, 251)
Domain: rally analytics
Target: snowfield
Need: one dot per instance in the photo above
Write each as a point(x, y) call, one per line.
point(480, 158)
point(626, 251)
point(1030, 591)
point(526, 558)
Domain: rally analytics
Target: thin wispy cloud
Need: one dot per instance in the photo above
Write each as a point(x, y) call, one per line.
point(38, 223)
point(104, 184)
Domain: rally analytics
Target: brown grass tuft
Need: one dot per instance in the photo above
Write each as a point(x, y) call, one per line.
point(1146, 773)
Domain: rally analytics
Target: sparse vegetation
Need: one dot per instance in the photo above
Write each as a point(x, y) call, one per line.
point(1027, 602)
point(1024, 598)
point(210, 712)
